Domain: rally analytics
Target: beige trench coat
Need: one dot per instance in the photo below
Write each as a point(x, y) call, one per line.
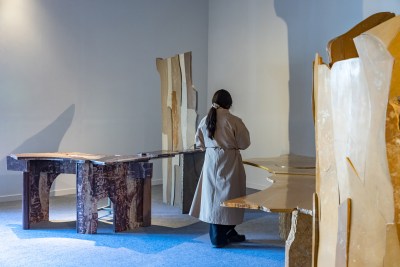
point(223, 176)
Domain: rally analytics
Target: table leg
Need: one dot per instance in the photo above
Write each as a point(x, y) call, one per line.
point(298, 248)
point(35, 196)
point(26, 201)
point(132, 197)
point(86, 203)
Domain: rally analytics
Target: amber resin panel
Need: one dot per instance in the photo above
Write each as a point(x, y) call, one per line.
point(357, 141)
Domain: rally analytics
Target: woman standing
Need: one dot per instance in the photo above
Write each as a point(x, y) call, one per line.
point(222, 135)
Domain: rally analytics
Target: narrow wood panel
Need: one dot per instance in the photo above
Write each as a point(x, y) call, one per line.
point(315, 232)
point(165, 72)
point(191, 92)
point(393, 116)
point(176, 103)
point(327, 187)
point(184, 102)
point(342, 245)
point(179, 125)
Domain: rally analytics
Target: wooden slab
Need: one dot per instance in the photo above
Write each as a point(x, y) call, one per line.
point(287, 193)
point(391, 37)
point(342, 47)
point(342, 245)
point(285, 164)
point(365, 163)
point(315, 231)
point(293, 185)
point(326, 174)
point(179, 115)
point(57, 155)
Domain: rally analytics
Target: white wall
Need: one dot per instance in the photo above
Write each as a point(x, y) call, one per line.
point(80, 75)
point(262, 52)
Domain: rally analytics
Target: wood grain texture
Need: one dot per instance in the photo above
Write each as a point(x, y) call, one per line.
point(392, 132)
point(342, 245)
point(287, 193)
point(179, 104)
point(293, 184)
point(327, 187)
point(357, 115)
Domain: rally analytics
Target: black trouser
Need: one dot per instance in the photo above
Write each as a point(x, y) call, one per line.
point(219, 233)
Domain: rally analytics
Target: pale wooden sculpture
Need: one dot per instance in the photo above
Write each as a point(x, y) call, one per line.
point(291, 193)
point(178, 104)
point(356, 106)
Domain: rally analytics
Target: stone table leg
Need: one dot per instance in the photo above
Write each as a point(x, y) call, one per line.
point(86, 203)
point(132, 197)
point(35, 196)
point(298, 248)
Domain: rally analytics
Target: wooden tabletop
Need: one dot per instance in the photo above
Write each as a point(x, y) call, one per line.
point(293, 185)
point(100, 158)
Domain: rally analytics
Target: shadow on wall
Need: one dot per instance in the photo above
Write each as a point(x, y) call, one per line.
point(48, 139)
point(310, 24)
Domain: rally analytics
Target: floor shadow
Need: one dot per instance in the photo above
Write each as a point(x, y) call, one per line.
point(147, 240)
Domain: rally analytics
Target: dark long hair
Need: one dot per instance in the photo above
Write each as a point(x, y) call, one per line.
point(221, 99)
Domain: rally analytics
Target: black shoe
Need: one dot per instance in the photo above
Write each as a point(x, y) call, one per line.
point(220, 245)
point(234, 237)
point(237, 238)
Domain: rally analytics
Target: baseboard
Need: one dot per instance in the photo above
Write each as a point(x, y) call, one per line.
point(61, 192)
point(8, 198)
point(54, 193)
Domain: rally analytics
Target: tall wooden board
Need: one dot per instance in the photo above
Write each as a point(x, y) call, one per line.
point(179, 115)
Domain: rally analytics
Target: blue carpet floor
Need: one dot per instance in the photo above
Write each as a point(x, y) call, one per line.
point(174, 239)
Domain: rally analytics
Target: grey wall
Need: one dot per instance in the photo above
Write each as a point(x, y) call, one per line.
point(262, 52)
point(80, 75)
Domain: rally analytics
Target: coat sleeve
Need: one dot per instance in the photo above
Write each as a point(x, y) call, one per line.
point(242, 135)
point(199, 139)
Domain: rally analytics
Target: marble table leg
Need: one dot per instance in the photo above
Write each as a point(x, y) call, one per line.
point(298, 247)
point(131, 197)
point(35, 196)
point(86, 203)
